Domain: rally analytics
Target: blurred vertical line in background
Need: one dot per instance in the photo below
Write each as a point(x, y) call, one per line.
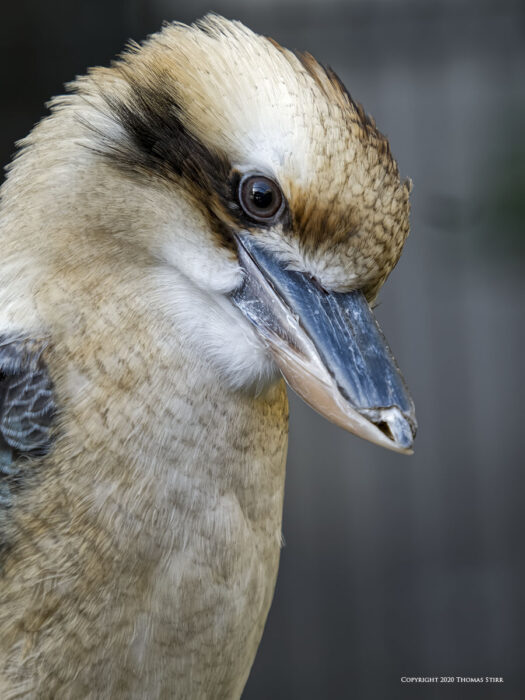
point(392, 566)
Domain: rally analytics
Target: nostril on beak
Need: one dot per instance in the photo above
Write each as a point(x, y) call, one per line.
point(317, 284)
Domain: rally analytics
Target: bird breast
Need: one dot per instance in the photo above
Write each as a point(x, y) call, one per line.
point(163, 479)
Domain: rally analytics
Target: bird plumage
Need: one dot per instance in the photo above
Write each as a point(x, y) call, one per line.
point(140, 553)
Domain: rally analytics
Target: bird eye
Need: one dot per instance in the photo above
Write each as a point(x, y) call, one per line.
point(260, 197)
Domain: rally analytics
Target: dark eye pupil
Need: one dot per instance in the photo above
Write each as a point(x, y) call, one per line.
point(261, 195)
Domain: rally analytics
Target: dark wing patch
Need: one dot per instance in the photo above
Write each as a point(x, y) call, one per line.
point(27, 409)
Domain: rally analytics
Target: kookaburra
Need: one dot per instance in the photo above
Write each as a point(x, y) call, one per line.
point(207, 215)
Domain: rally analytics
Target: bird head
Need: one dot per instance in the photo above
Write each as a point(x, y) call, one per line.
point(269, 202)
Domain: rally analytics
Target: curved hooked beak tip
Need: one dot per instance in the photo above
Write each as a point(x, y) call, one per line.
point(329, 348)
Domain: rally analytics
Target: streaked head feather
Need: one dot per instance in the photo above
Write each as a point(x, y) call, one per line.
point(199, 104)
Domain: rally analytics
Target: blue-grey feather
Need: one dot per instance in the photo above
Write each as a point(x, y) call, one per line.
point(27, 409)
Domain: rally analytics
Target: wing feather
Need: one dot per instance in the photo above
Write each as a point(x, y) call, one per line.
point(27, 407)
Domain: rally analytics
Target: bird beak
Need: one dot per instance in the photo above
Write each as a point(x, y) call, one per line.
point(329, 348)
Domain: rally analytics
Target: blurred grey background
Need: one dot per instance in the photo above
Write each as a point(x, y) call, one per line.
point(393, 566)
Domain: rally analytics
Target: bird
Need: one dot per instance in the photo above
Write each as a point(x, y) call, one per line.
point(206, 218)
